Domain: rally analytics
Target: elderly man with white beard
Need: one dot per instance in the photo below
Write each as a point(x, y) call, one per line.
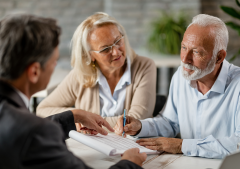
point(204, 98)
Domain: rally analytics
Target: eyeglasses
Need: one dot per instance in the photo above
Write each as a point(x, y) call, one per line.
point(108, 49)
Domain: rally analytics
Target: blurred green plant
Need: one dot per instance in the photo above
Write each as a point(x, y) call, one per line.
point(236, 14)
point(167, 33)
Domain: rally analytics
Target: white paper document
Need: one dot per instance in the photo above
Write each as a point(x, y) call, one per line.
point(110, 144)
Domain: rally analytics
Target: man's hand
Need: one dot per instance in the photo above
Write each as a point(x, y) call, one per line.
point(92, 121)
point(132, 126)
point(84, 130)
point(170, 145)
point(134, 156)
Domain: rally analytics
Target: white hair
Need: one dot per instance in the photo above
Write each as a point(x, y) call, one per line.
point(80, 55)
point(219, 30)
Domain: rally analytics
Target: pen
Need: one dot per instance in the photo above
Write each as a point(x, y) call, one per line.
point(124, 121)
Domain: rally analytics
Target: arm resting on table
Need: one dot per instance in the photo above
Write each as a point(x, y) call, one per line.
point(210, 147)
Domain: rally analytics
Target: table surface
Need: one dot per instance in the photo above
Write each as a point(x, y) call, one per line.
point(98, 160)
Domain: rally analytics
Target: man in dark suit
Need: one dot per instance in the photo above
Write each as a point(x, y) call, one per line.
point(28, 55)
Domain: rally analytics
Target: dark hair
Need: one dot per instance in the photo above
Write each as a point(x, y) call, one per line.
point(25, 39)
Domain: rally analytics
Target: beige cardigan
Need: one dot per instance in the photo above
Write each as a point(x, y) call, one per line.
point(140, 94)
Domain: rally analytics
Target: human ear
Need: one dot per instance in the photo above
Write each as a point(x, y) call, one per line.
point(92, 57)
point(33, 72)
point(221, 56)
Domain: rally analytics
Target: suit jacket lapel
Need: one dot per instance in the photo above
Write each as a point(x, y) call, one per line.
point(9, 93)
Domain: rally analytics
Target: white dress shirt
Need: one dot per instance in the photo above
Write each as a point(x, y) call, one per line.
point(209, 124)
point(113, 105)
point(24, 97)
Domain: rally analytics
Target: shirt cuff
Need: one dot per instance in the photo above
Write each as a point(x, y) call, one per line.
point(144, 130)
point(189, 147)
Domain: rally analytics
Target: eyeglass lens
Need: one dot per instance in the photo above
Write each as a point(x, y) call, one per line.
point(108, 50)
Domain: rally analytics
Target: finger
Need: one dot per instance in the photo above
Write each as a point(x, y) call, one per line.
point(119, 125)
point(100, 130)
point(130, 127)
point(159, 148)
point(94, 132)
point(116, 131)
point(145, 140)
point(77, 126)
point(107, 125)
point(135, 150)
point(143, 156)
point(152, 143)
point(128, 119)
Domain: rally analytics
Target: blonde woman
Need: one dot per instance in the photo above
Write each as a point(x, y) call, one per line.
point(107, 76)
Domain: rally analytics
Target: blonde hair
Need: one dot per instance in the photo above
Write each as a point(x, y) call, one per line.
point(80, 55)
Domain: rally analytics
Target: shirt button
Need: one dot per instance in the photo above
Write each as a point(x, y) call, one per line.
point(114, 102)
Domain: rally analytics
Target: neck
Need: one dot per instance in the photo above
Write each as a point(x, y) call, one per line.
point(114, 74)
point(22, 88)
point(113, 77)
point(22, 84)
point(206, 83)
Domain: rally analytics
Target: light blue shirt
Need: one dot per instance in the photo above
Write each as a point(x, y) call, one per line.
point(209, 124)
point(113, 105)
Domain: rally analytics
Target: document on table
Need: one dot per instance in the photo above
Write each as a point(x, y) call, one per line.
point(110, 144)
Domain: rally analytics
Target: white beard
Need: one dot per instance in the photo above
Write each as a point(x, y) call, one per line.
point(198, 73)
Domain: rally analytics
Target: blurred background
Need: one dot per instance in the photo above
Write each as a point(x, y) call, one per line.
point(154, 27)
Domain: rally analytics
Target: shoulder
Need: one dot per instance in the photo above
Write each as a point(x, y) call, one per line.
point(142, 61)
point(142, 64)
point(234, 71)
point(233, 75)
point(22, 120)
point(19, 125)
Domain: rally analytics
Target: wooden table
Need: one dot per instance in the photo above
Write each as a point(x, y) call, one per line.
point(98, 160)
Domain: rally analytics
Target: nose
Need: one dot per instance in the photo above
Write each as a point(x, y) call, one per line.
point(186, 57)
point(115, 50)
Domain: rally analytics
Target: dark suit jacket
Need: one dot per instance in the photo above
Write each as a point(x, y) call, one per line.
point(27, 141)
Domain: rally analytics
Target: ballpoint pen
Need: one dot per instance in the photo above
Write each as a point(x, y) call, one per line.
point(124, 121)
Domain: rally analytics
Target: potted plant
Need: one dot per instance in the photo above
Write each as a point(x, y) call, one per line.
point(167, 33)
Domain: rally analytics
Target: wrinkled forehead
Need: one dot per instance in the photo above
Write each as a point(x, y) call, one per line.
point(103, 36)
point(198, 36)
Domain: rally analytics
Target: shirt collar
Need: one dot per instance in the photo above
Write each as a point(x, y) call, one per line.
point(125, 79)
point(24, 97)
point(219, 84)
